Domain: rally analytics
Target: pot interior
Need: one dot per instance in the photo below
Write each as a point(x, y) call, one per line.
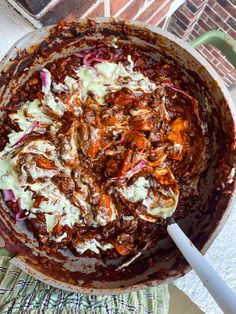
point(211, 207)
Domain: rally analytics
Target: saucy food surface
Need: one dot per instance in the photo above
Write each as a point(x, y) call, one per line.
point(99, 148)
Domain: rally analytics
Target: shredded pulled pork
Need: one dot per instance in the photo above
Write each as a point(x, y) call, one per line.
point(104, 152)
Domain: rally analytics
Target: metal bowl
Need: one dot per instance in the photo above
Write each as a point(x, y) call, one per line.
point(206, 217)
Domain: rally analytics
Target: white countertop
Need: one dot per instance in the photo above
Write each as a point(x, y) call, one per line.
point(222, 253)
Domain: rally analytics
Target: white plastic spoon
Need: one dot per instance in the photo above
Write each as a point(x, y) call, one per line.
point(222, 294)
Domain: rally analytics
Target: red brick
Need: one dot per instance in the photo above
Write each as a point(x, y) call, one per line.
point(231, 9)
point(151, 9)
point(207, 54)
point(33, 7)
point(161, 23)
point(186, 20)
point(230, 80)
point(98, 11)
point(196, 27)
point(182, 25)
point(203, 25)
point(200, 30)
point(192, 26)
point(190, 15)
point(228, 66)
point(178, 31)
point(195, 5)
point(191, 6)
point(116, 5)
point(187, 15)
point(227, 81)
point(220, 10)
point(216, 54)
point(211, 3)
point(132, 9)
point(199, 3)
point(232, 33)
point(222, 68)
point(204, 16)
point(232, 75)
point(190, 37)
point(218, 20)
point(195, 33)
point(186, 12)
point(66, 9)
point(227, 77)
point(160, 14)
point(215, 61)
point(203, 49)
point(211, 23)
point(210, 48)
point(192, 29)
point(199, 9)
point(232, 22)
point(222, 74)
point(220, 53)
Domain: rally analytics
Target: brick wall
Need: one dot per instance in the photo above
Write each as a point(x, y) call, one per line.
point(193, 19)
point(199, 16)
point(49, 12)
point(184, 19)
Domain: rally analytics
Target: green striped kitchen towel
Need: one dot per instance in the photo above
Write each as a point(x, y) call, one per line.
point(21, 293)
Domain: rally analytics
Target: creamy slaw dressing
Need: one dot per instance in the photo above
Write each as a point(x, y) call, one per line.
point(108, 76)
point(103, 78)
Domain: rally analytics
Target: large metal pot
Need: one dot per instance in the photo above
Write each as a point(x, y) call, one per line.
point(206, 217)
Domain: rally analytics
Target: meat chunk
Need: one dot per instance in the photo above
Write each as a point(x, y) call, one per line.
point(64, 183)
point(69, 146)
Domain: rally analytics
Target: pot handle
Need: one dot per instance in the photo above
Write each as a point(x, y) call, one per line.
point(219, 39)
point(4, 252)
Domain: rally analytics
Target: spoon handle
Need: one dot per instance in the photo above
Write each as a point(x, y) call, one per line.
point(222, 294)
